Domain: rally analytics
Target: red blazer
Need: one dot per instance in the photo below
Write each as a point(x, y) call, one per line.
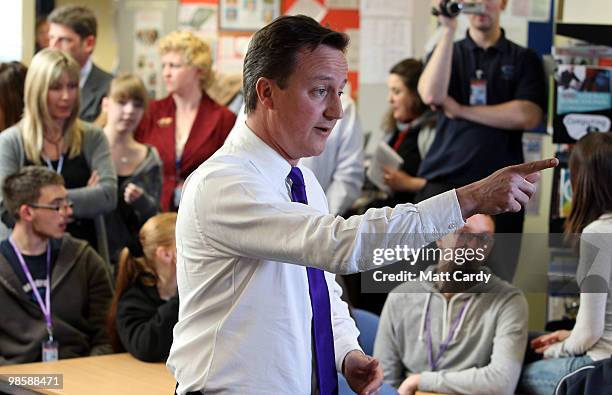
point(211, 126)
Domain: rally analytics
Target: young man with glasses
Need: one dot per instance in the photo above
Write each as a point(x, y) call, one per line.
point(460, 330)
point(56, 289)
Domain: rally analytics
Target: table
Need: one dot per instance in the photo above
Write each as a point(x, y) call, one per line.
point(115, 374)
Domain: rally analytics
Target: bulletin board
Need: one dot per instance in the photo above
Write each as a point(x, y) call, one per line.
point(229, 41)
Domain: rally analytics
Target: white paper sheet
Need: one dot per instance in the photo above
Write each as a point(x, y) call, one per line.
point(383, 42)
point(392, 8)
point(342, 4)
point(308, 7)
point(383, 156)
point(352, 52)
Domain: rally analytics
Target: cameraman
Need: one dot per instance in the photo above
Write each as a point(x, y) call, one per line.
point(488, 90)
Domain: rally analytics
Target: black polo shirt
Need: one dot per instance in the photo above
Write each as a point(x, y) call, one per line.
point(465, 151)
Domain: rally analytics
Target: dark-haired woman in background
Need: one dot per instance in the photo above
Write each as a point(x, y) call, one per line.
point(145, 305)
point(409, 125)
point(12, 81)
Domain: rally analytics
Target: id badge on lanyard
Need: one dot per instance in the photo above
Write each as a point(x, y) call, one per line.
point(478, 90)
point(50, 347)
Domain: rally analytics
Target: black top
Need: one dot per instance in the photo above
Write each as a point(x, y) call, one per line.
point(409, 151)
point(126, 211)
point(145, 322)
point(465, 151)
point(37, 265)
point(76, 173)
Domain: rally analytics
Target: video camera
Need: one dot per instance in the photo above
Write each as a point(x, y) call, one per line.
point(452, 8)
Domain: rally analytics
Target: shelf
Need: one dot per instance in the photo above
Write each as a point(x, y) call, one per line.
point(594, 34)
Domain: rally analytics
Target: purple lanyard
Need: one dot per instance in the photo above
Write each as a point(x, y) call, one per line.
point(45, 307)
point(433, 363)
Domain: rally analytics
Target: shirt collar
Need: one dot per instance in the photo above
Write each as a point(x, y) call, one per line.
point(85, 71)
point(264, 157)
point(501, 45)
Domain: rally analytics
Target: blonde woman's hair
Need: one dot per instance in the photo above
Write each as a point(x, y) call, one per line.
point(194, 51)
point(46, 69)
point(158, 231)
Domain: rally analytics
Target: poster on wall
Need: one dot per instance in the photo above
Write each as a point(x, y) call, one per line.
point(201, 19)
point(231, 53)
point(148, 25)
point(247, 15)
point(583, 102)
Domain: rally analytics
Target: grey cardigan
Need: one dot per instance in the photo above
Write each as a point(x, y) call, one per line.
point(148, 176)
point(89, 202)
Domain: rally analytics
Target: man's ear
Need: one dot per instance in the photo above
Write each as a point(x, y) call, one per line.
point(503, 4)
point(89, 43)
point(25, 212)
point(264, 88)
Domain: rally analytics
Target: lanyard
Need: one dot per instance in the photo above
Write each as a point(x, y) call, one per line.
point(401, 136)
point(433, 363)
point(44, 307)
point(60, 164)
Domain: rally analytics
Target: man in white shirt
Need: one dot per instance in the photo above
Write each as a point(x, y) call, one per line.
point(73, 29)
point(255, 241)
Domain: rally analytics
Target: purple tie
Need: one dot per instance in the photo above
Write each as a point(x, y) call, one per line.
point(327, 377)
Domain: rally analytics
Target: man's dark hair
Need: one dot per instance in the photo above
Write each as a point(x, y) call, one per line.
point(78, 18)
point(24, 186)
point(272, 51)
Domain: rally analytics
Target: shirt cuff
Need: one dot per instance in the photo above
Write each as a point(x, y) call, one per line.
point(429, 381)
point(554, 351)
point(342, 348)
point(440, 215)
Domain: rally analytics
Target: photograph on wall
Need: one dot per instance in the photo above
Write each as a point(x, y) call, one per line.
point(247, 15)
point(583, 102)
point(201, 19)
point(148, 25)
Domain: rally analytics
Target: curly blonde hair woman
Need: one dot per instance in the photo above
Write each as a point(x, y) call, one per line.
point(51, 135)
point(186, 127)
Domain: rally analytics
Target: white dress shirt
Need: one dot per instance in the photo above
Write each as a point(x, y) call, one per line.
point(245, 316)
point(339, 169)
point(84, 73)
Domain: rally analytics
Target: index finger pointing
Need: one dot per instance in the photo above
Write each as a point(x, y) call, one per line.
point(531, 167)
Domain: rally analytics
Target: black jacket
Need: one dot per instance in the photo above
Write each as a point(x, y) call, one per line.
point(145, 322)
point(591, 379)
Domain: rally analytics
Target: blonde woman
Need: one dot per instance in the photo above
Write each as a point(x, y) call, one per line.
point(51, 135)
point(186, 127)
point(145, 305)
point(139, 169)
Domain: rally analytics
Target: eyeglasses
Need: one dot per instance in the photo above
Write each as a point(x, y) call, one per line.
point(64, 206)
point(481, 238)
